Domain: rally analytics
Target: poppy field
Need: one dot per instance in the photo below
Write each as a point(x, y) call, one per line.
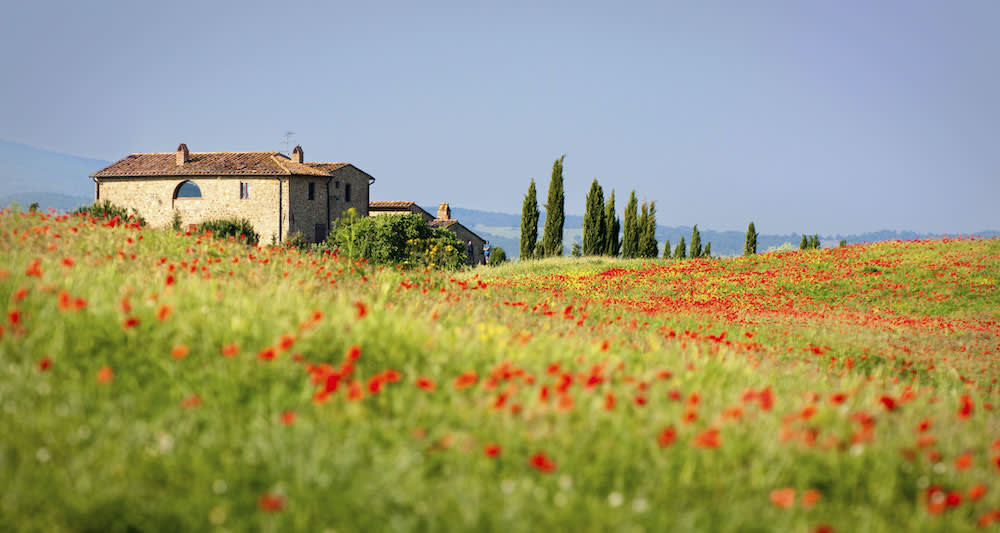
point(153, 380)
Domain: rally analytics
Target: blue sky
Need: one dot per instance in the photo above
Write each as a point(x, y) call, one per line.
point(815, 117)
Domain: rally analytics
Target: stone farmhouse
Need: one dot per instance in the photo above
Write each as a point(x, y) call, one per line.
point(443, 220)
point(278, 194)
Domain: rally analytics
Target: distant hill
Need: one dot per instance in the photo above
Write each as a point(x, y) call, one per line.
point(52, 179)
point(504, 230)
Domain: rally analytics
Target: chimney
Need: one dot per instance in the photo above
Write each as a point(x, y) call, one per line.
point(297, 155)
point(183, 156)
point(444, 212)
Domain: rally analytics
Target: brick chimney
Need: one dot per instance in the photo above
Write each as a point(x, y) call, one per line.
point(183, 156)
point(444, 212)
point(297, 155)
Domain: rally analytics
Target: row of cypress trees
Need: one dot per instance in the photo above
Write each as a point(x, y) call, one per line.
point(555, 217)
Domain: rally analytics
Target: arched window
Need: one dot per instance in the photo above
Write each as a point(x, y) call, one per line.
point(187, 189)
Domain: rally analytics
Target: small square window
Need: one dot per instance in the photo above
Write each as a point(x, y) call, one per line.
point(347, 192)
point(312, 191)
point(244, 190)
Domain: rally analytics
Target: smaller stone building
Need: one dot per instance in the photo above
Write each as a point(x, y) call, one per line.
point(443, 220)
point(279, 194)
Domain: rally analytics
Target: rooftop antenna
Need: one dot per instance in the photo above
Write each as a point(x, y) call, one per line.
point(288, 140)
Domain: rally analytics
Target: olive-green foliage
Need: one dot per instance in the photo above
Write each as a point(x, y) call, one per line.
point(175, 224)
point(630, 228)
point(497, 256)
point(594, 231)
point(555, 214)
point(750, 246)
point(395, 239)
point(529, 222)
point(707, 252)
point(843, 242)
point(695, 243)
point(576, 250)
point(809, 242)
point(107, 209)
point(238, 228)
point(666, 249)
point(612, 227)
point(679, 251)
point(804, 243)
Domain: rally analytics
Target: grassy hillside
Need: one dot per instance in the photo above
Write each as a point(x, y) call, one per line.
point(153, 381)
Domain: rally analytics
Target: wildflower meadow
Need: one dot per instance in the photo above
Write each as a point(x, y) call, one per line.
point(154, 380)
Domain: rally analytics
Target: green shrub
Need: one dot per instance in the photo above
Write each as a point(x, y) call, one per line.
point(107, 209)
point(497, 257)
point(239, 228)
point(395, 239)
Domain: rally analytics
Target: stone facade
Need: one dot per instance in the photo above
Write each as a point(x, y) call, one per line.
point(277, 194)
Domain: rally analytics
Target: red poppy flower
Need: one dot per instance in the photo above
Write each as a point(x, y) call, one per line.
point(708, 439)
point(191, 402)
point(783, 497)
point(361, 309)
point(355, 392)
point(542, 463)
point(966, 407)
point(609, 401)
point(888, 402)
point(964, 461)
point(353, 353)
point(163, 312)
point(45, 363)
point(425, 383)
point(271, 503)
point(130, 322)
point(34, 268)
point(810, 497)
point(230, 350)
point(492, 450)
point(288, 418)
point(666, 437)
point(286, 341)
point(179, 352)
point(466, 379)
point(267, 354)
point(105, 374)
point(976, 491)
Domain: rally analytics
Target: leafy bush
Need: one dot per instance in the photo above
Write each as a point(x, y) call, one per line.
point(395, 239)
point(107, 209)
point(497, 257)
point(239, 228)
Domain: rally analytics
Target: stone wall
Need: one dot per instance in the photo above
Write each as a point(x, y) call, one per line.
point(348, 175)
point(152, 198)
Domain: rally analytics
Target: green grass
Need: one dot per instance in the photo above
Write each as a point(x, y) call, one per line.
point(201, 442)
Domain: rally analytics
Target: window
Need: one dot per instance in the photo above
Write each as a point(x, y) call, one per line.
point(347, 192)
point(312, 191)
point(336, 184)
point(244, 190)
point(187, 189)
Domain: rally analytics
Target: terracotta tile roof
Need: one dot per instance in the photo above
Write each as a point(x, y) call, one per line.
point(389, 204)
point(215, 164)
point(327, 167)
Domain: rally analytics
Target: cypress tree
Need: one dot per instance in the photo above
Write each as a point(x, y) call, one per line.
point(594, 231)
point(679, 250)
point(612, 226)
point(647, 235)
point(707, 252)
point(750, 246)
point(529, 222)
point(666, 249)
point(630, 229)
point(804, 243)
point(695, 243)
point(555, 214)
point(815, 241)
